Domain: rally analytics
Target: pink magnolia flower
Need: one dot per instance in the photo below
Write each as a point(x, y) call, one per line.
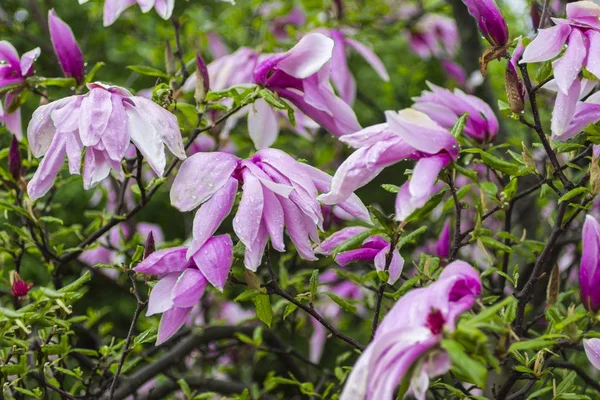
point(329, 310)
point(182, 281)
point(114, 8)
point(581, 33)
point(444, 107)
point(301, 76)
point(410, 334)
point(490, 20)
point(340, 73)
point(589, 271)
point(66, 48)
point(13, 71)
point(373, 249)
point(592, 351)
point(434, 35)
point(104, 122)
point(277, 193)
point(406, 134)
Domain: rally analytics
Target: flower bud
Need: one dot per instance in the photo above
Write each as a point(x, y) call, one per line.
point(14, 159)
point(589, 272)
point(66, 48)
point(150, 246)
point(19, 288)
point(514, 94)
point(490, 21)
point(202, 81)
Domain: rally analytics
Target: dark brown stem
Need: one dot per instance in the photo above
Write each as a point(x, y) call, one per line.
point(458, 211)
point(388, 261)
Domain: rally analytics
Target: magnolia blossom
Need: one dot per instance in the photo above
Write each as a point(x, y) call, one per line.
point(66, 48)
point(444, 107)
point(589, 271)
point(410, 334)
point(104, 122)
point(373, 249)
point(586, 112)
point(114, 8)
point(277, 193)
point(490, 20)
point(434, 35)
point(182, 280)
point(330, 310)
point(406, 134)
point(592, 351)
point(13, 71)
point(301, 76)
point(581, 33)
point(341, 76)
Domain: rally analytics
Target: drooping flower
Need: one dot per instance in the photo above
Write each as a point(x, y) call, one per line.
point(592, 351)
point(581, 33)
point(589, 271)
point(301, 76)
point(410, 335)
point(373, 249)
point(406, 134)
point(19, 288)
point(330, 310)
point(445, 107)
point(490, 21)
point(182, 281)
point(114, 8)
point(104, 122)
point(341, 76)
point(434, 35)
point(277, 193)
point(66, 48)
point(13, 72)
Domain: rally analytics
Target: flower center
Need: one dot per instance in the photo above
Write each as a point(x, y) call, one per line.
point(435, 322)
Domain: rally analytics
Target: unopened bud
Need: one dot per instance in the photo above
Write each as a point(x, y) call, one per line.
point(150, 246)
point(19, 288)
point(170, 63)
point(202, 81)
point(514, 90)
point(553, 286)
point(14, 159)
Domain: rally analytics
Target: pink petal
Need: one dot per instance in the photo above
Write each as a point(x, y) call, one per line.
point(564, 110)
point(262, 124)
point(189, 288)
point(307, 56)
point(46, 173)
point(211, 214)
point(66, 48)
point(295, 224)
point(164, 8)
point(214, 260)
point(116, 136)
point(371, 58)
point(247, 219)
point(396, 264)
point(145, 137)
point(170, 323)
point(328, 245)
point(254, 252)
point(160, 296)
point(547, 44)
point(199, 177)
point(273, 219)
point(96, 167)
point(95, 112)
point(9, 54)
point(592, 351)
point(164, 262)
point(569, 65)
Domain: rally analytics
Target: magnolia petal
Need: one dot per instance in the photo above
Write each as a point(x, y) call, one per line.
point(170, 323)
point(592, 351)
point(308, 56)
point(262, 124)
point(95, 168)
point(370, 57)
point(44, 177)
point(547, 44)
point(274, 220)
point(246, 222)
point(211, 214)
point(94, 114)
point(160, 297)
point(164, 262)
point(116, 136)
point(189, 288)
point(146, 138)
point(254, 252)
point(297, 230)
point(66, 48)
point(214, 260)
point(329, 245)
point(567, 68)
point(564, 110)
point(199, 177)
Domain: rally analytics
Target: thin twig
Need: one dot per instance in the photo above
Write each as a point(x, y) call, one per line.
point(458, 211)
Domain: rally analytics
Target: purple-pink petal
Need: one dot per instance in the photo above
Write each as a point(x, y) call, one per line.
point(214, 260)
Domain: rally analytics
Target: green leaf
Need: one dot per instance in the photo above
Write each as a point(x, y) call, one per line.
point(77, 284)
point(463, 365)
point(264, 312)
point(490, 312)
point(314, 284)
point(60, 82)
point(148, 71)
point(90, 76)
point(248, 294)
point(354, 242)
point(391, 188)
point(290, 308)
point(459, 125)
point(534, 344)
point(573, 193)
point(342, 302)
point(494, 244)
point(411, 237)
